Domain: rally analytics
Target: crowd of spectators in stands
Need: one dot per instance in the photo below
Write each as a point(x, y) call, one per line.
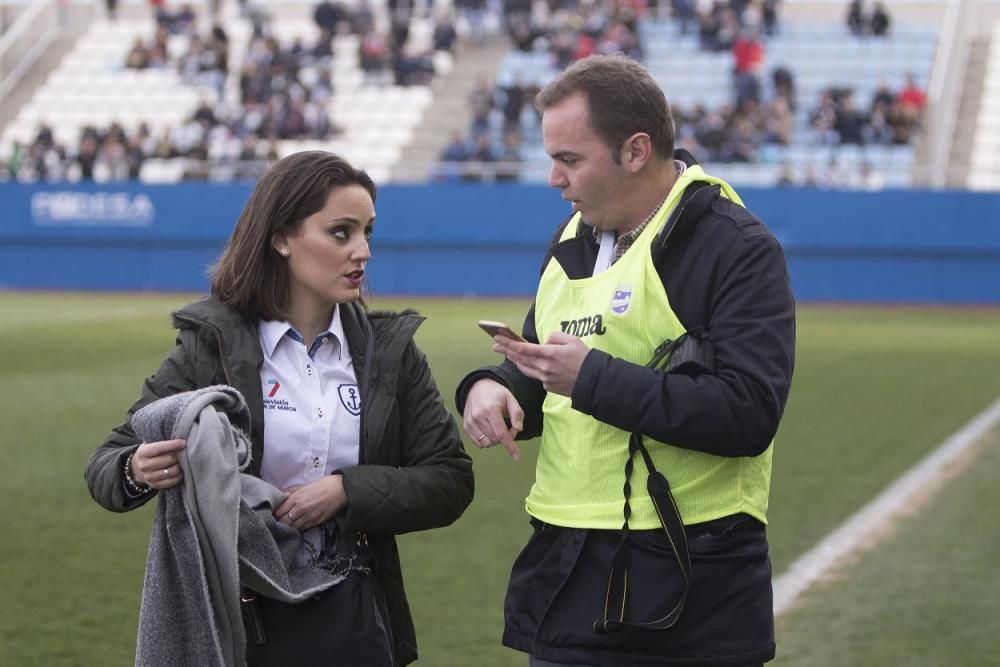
point(862, 22)
point(491, 147)
point(730, 134)
point(205, 61)
point(738, 132)
point(891, 118)
point(283, 93)
point(734, 133)
point(114, 154)
point(722, 23)
point(492, 144)
point(761, 112)
point(283, 90)
point(570, 32)
point(762, 107)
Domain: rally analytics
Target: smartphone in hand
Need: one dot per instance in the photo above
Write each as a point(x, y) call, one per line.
point(499, 329)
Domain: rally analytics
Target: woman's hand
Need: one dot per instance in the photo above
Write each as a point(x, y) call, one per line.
point(314, 503)
point(155, 464)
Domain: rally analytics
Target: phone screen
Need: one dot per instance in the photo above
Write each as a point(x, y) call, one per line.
point(499, 329)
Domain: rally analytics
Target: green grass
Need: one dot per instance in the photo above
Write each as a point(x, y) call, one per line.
point(874, 391)
point(929, 596)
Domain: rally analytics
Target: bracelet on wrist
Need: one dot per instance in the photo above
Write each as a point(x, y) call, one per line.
point(130, 484)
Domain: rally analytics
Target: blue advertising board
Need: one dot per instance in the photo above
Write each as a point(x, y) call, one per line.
point(478, 240)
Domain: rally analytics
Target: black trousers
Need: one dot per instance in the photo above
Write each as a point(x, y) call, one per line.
point(558, 587)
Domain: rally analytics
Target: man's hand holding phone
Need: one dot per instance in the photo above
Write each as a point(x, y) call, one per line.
point(555, 363)
point(490, 406)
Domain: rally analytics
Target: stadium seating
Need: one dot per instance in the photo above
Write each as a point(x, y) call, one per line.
point(92, 87)
point(376, 122)
point(820, 56)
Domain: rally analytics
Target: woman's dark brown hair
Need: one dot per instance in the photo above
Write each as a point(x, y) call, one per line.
point(250, 276)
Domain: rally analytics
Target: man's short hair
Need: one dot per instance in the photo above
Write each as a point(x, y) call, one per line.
point(623, 98)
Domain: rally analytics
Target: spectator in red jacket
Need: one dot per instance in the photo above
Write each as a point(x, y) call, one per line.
point(912, 96)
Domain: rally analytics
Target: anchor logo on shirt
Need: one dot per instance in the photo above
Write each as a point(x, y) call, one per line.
point(350, 398)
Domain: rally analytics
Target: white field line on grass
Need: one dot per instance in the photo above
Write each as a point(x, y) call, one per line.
point(859, 530)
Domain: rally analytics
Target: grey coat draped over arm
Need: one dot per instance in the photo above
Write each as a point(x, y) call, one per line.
point(212, 532)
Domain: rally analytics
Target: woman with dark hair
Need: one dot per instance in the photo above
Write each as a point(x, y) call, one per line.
point(345, 419)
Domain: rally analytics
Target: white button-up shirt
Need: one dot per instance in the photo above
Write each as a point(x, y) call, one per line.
point(312, 406)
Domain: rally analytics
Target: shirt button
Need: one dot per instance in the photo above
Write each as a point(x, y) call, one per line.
point(326, 339)
point(316, 463)
point(309, 370)
point(319, 411)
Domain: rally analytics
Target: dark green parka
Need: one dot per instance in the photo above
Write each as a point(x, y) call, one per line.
point(414, 473)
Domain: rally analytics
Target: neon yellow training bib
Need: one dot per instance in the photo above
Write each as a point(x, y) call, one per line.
point(625, 312)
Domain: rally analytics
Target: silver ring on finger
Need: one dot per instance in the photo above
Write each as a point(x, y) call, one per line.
point(480, 438)
point(166, 473)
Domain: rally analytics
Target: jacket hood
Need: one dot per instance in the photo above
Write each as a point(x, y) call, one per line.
point(208, 310)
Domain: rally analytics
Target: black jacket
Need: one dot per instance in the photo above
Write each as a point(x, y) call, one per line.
point(724, 272)
point(414, 472)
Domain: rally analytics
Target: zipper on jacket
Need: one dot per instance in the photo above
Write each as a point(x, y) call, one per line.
point(679, 213)
point(366, 373)
point(676, 217)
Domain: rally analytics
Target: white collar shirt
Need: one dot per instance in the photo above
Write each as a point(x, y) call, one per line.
point(312, 406)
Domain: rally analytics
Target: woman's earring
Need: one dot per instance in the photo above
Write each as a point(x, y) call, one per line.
point(284, 252)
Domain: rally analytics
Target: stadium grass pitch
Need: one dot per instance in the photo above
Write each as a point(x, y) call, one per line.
point(875, 390)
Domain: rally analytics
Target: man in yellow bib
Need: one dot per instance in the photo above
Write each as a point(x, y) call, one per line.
point(658, 361)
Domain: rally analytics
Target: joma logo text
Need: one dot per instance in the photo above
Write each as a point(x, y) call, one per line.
point(585, 326)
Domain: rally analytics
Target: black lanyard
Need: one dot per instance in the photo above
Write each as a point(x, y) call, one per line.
point(670, 519)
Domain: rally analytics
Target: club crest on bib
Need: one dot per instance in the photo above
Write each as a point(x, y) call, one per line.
point(621, 299)
point(350, 398)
